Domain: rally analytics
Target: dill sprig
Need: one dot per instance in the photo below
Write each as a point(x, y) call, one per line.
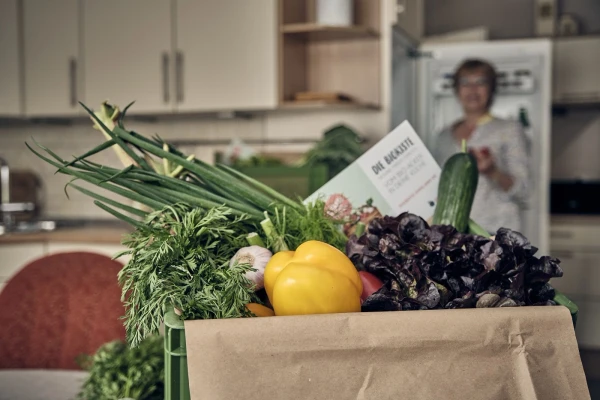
point(310, 224)
point(180, 258)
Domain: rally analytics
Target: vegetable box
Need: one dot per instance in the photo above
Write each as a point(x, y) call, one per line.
point(498, 353)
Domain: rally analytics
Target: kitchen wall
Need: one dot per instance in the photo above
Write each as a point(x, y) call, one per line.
point(575, 134)
point(78, 137)
point(442, 16)
point(452, 15)
point(575, 145)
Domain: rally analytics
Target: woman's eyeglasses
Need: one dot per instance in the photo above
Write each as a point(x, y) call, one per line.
point(473, 81)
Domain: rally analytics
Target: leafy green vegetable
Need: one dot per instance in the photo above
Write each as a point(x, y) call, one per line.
point(195, 217)
point(339, 148)
point(196, 183)
point(311, 224)
point(430, 267)
point(117, 371)
point(257, 161)
point(180, 257)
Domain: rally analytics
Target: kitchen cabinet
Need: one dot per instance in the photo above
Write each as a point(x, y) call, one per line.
point(327, 67)
point(226, 56)
point(579, 233)
point(573, 240)
point(579, 267)
point(51, 53)
point(127, 54)
point(588, 324)
point(15, 256)
point(575, 75)
point(10, 63)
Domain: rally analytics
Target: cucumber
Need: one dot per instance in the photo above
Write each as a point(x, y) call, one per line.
point(456, 191)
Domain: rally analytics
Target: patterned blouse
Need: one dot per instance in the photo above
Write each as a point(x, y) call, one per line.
point(493, 207)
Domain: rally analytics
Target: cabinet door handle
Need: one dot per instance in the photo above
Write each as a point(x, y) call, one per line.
point(179, 73)
point(165, 73)
point(73, 81)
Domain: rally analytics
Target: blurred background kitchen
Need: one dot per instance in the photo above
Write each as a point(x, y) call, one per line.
point(291, 91)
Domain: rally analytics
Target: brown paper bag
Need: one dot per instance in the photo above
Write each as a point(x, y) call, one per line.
point(502, 353)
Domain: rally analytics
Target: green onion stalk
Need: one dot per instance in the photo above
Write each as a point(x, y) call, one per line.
point(157, 175)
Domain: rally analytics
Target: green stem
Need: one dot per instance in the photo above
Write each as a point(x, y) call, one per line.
point(360, 229)
point(194, 190)
point(216, 176)
point(93, 179)
point(261, 186)
point(118, 215)
point(137, 159)
point(277, 241)
point(124, 207)
point(254, 240)
point(106, 145)
point(476, 229)
point(464, 145)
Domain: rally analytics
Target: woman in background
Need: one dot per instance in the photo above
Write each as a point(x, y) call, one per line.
point(499, 146)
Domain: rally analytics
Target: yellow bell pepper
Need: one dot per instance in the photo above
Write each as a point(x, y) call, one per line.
point(317, 278)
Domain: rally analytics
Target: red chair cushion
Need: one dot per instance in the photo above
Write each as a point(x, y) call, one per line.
point(58, 307)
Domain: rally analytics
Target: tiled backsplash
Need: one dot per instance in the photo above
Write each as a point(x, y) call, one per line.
point(75, 139)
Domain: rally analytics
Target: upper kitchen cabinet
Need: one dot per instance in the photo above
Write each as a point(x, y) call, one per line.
point(10, 64)
point(127, 54)
point(576, 78)
point(329, 65)
point(51, 57)
point(226, 55)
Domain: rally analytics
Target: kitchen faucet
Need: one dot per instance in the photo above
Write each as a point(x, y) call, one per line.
point(6, 207)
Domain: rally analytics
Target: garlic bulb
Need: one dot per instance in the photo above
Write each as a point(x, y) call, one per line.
point(256, 256)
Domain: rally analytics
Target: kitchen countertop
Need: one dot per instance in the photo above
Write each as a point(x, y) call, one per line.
point(112, 232)
point(100, 235)
point(97, 232)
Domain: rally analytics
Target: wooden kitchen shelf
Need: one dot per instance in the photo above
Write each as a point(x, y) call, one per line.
point(311, 31)
point(329, 59)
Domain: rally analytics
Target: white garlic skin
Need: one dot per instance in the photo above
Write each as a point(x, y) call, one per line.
point(256, 256)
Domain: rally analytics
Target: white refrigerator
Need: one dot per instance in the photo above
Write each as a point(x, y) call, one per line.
point(524, 93)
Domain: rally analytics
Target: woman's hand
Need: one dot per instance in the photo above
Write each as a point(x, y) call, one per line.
point(486, 164)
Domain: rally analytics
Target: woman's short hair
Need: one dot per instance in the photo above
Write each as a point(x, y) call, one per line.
point(475, 64)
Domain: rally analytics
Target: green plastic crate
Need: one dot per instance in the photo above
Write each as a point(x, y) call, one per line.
point(290, 181)
point(176, 373)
